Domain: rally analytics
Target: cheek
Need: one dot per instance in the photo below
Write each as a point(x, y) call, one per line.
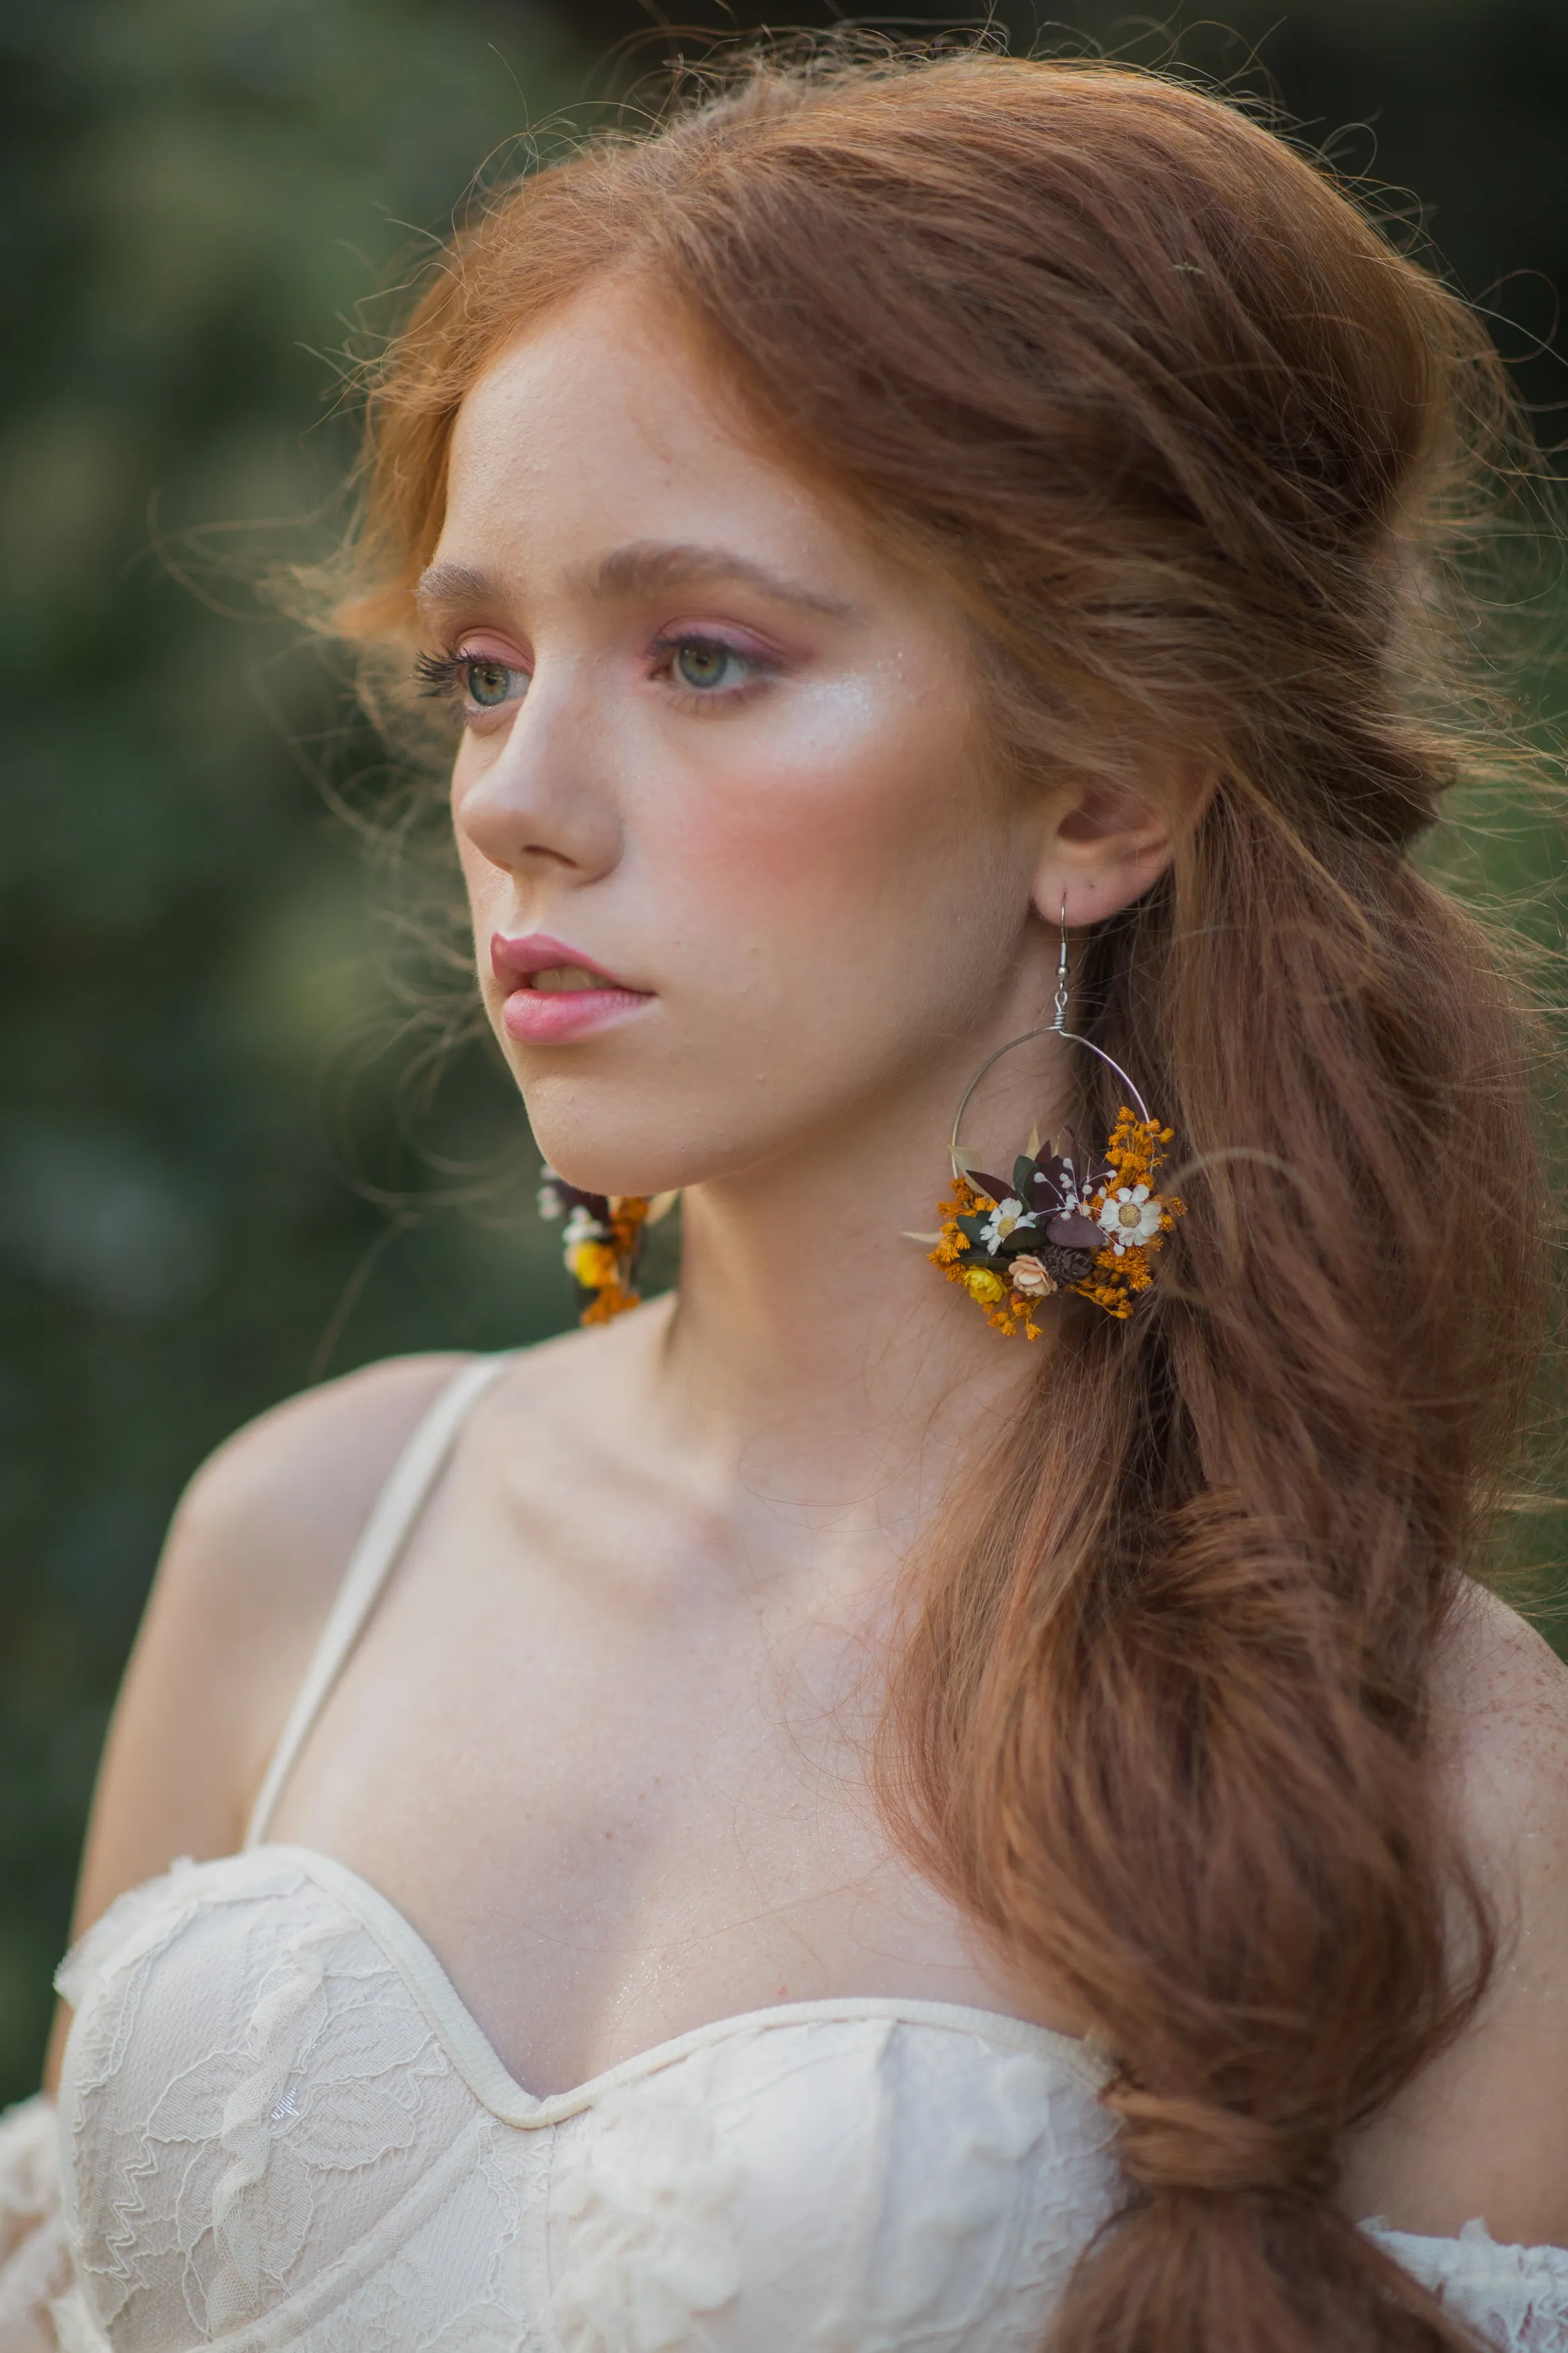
point(488, 885)
point(838, 823)
point(492, 907)
point(479, 872)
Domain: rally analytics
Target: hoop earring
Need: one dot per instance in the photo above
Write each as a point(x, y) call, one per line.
point(602, 1242)
point(1054, 1228)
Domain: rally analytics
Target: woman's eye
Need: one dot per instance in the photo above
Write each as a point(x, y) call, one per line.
point(491, 683)
point(706, 666)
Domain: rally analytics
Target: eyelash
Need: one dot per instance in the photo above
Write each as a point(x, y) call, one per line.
point(441, 677)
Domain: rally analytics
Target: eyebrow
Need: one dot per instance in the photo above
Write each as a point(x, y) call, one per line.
point(454, 583)
point(641, 565)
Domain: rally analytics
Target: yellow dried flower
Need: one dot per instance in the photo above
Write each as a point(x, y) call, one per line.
point(594, 1264)
point(601, 1254)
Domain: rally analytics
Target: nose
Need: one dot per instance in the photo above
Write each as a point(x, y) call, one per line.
point(544, 799)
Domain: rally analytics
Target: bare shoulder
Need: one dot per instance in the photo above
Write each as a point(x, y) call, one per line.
point(1502, 1733)
point(258, 1545)
point(1484, 2132)
point(263, 1531)
point(254, 1556)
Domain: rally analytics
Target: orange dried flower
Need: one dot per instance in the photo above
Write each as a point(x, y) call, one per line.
point(1124, 1203)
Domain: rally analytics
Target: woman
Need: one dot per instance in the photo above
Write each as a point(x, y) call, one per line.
point(813, 1818)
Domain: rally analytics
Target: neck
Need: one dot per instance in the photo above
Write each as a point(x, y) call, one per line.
point(815, 1356)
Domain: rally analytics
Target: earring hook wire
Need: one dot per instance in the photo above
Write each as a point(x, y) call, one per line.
point(1055, 1028)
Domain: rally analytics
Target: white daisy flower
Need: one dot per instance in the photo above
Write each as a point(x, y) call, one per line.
point(583, 1227)
point(1005, 1218)
point(1130, 1215)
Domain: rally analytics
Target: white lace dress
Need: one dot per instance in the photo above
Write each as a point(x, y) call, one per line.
point(281, 2131)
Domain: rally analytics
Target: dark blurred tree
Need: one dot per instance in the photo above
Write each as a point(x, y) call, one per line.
point(194, 196)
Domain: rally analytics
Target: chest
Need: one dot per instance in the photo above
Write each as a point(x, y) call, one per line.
point(620, 1796)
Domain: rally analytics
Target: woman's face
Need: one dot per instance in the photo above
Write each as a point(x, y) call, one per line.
point(742, 879)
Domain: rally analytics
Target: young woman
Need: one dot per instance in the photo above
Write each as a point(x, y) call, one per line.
point(805, 1816)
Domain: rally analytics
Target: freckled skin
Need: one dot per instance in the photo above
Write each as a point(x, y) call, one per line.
point(605, 1739)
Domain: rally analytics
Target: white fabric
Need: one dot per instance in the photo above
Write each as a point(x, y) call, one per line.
point(281, 2127)
point(33, 2262)
point(1516, 2297)
point(282, 2131)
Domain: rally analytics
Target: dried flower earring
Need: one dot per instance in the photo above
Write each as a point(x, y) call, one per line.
point(602, 1242)
point(1054, 1228)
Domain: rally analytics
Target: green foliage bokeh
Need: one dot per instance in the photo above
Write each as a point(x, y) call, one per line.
point(197, 196)
point(217, 1181)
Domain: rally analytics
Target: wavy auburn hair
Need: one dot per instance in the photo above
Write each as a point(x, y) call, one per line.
point(1184, 434)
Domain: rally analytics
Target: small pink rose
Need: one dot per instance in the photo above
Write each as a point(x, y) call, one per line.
point(1030, 1280)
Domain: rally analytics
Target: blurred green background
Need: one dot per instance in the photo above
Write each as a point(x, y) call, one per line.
point(230, 1159)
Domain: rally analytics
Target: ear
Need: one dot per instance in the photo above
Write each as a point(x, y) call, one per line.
point(1103, 845)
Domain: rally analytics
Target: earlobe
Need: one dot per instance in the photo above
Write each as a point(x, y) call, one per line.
point(1096, 876)
point(1079, 895)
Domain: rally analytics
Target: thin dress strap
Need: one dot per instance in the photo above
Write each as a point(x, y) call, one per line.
point(386, 1532)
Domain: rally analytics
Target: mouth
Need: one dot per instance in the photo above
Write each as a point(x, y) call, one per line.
point(554, 991)
point(563, 979)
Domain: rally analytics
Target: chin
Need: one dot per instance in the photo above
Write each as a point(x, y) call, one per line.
point(644, 1139)
point(618, 1158)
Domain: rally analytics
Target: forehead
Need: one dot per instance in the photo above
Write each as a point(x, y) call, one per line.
point(601, 426)
point(605, 409)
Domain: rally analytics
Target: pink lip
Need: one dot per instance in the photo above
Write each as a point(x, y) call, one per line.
point(546, 1015)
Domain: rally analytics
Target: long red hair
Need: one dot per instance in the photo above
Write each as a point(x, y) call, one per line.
point(1184, 433)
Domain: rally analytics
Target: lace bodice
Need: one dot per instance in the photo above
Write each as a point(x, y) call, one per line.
point(282, 2131)
point(282, 2128)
